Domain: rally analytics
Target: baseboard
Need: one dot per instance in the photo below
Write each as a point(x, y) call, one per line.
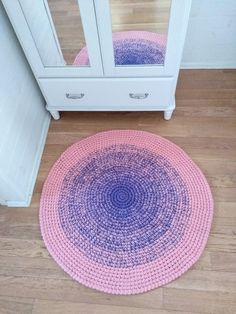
point(32, 180)
point(207, 66)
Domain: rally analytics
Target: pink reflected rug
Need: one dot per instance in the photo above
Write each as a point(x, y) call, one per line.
point(133, 47)
point(125, 211)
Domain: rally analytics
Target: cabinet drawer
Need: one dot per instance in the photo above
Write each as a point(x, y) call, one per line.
point(108, 94)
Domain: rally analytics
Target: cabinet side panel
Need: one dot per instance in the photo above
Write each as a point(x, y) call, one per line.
point(23, 119)
point(38, 19)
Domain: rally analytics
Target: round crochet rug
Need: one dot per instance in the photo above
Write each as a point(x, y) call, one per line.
point(125, 211)
point(133, 47)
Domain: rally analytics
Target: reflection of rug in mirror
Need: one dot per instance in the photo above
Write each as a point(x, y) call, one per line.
point(133, 47)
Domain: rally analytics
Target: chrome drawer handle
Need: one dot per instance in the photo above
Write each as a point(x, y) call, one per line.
point(138, 96)
point(74, 96)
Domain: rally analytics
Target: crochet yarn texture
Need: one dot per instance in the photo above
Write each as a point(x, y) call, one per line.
point(133, 47)
point(125, 211)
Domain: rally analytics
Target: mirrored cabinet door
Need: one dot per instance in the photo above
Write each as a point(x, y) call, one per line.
point(68, 29)
point(64, 35)
point(139, 31)
point(97, 38)
point(141, 37)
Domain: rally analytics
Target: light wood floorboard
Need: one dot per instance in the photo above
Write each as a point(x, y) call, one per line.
point(204, 125)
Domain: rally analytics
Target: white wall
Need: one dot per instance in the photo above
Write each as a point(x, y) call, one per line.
point(211, 36)
point(40, 27)
point(23, 121)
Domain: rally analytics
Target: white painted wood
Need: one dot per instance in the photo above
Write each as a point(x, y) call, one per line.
point(179, 15)
point(108, 94)
point(6, 190)
point(211, 37)
point(33, 169)
point(88, 18)
point(37, 18)
point(24, 33)
point(55, 114)
point(115, 88)
point(54, 32)
point(168, 114)
point(23, 121)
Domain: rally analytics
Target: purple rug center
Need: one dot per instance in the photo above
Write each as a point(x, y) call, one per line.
point(118, 202)
point(138, 51)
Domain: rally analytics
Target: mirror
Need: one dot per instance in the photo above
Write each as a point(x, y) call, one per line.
point(57, 30)
point(140, 29)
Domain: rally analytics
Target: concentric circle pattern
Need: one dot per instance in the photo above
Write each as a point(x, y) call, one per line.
point(133, 48)
point(121, 200)
point(125, 211)
point(138, 51)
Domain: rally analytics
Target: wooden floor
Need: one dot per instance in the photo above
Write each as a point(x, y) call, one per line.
point(204, 125)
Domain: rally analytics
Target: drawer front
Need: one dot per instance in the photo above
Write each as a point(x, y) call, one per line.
point(108, 94)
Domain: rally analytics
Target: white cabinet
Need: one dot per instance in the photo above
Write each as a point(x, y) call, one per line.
point(103, 54)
